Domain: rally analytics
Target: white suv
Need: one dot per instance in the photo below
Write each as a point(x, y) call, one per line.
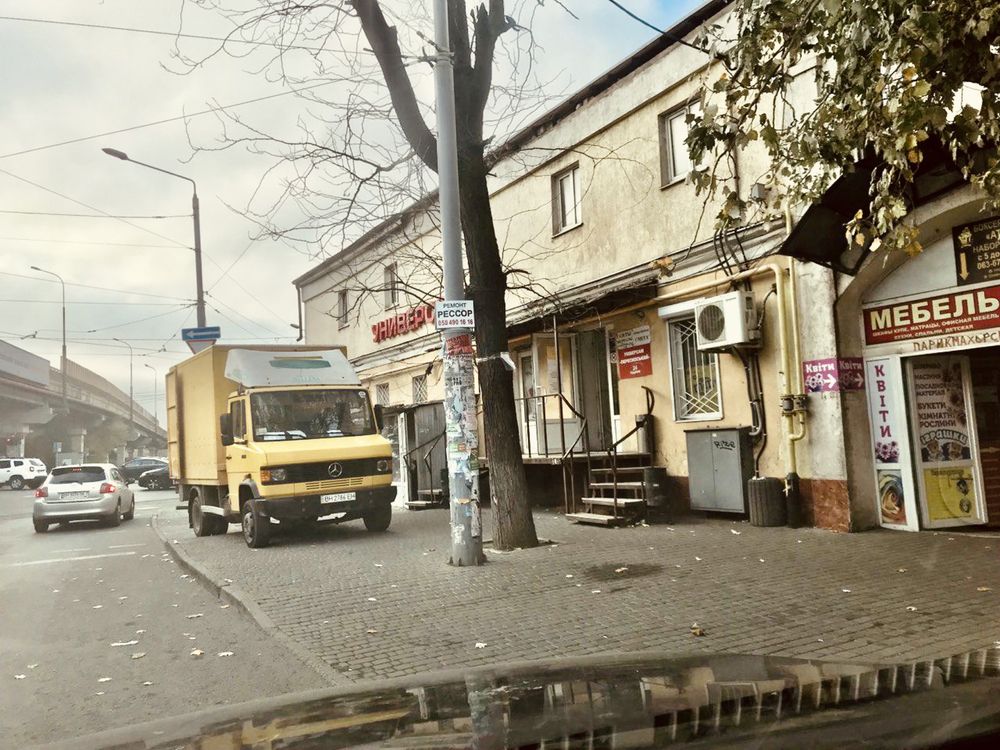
point(19, 473)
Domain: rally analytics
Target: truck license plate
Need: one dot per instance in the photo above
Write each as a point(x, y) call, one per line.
point(338, 497)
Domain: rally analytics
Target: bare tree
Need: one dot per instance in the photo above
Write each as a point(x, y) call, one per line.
point(362, 150)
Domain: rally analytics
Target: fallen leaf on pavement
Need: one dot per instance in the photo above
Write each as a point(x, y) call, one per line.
point(983, 588)
point(104, 679)
point(378, 565)
point(621, 569)
point(371, 631)
point(480, 644)
point(846, 591)
point(32, 666)
point(55, 591)
point(195, 616)
point(698, 559)
point(97, 606)
point(138, 654)
point(227, 580)
point(569, 575)
point(696, 630)
point(900, 570)
point(20, 676)
point(224, 606)
point(147, 683)
point(372, 599)
point(734, 531)
point(122, 598)
point(124, 643)
point(99, 692)
point(140, 631)
point(596, 591)
point(762, 559)
point(197, 653)
point(911, 609)
point(225, 653)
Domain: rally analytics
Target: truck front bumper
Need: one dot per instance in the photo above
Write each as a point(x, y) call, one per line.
point(312, 506)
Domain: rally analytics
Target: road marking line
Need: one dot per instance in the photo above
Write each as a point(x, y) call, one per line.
point(125, 546)
point(75, 549)
point(70, 559)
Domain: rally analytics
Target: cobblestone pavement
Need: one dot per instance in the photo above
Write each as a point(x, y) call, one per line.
point(381, 605)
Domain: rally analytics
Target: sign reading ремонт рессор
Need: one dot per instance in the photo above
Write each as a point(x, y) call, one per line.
point(452, 314)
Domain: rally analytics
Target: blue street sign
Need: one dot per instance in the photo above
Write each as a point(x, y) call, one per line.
point(208, 333)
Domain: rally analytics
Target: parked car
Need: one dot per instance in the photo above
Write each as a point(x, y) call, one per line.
point(18, 473)
point(156, 479)
point(83, 492)
point(136, 467)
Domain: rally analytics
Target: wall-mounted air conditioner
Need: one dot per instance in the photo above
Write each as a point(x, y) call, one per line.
point(725, 321)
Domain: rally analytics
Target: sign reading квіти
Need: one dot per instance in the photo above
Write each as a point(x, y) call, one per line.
point(454, 314)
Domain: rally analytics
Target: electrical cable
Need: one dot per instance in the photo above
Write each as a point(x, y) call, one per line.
point(94, 216)
point(658, 30)
point(84, 242)
point(91, 286)
point(164, 121)
point(86, 302)
point(92, 208)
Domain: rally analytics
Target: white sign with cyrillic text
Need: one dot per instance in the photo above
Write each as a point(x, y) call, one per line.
point(454, 314)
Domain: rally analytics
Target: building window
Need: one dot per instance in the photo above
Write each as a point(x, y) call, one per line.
point(390, 280)
point(566, 200)
point(342, 308)
point(693, 373)
point(382, 394)
point(419, 389)
point(675, 162)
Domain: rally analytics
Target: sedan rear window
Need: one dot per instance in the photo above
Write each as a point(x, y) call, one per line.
point(74, 474)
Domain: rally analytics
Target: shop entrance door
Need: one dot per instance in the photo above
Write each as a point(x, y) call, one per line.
point(945, 445)
point(984, 365)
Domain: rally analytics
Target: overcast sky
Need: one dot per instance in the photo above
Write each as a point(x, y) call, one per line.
point(64, 82)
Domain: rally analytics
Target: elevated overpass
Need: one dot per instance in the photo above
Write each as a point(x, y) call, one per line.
point(31, 412)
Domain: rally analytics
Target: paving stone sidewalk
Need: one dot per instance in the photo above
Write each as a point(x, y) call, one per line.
point(386, 605)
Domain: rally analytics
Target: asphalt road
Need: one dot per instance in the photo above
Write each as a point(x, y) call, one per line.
point(68, 597)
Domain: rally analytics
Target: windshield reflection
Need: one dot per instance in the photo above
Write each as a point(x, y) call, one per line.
point(300, 415)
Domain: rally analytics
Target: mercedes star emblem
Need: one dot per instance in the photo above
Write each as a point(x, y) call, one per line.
point(334, 470)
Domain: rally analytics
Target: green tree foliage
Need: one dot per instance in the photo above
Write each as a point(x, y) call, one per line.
point(888, 75)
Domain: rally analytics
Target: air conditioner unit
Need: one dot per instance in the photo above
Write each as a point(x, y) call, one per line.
point(726, 321)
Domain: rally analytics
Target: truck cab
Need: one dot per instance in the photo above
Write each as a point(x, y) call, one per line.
point(294, 437)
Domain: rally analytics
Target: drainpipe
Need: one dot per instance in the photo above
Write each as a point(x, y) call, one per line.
point(789, 361)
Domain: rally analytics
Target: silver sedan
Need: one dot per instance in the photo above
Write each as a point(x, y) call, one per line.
point(83, 492)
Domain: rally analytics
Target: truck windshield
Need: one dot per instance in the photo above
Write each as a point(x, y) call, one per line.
point(299, 415)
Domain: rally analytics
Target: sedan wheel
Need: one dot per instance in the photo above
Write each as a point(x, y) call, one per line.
point(40, 526)
point(115, 519)
point(16, 483)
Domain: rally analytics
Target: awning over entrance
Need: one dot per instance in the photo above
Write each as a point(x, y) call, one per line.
point(819, 237)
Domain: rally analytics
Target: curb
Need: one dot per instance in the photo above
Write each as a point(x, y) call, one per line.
point(235, 595)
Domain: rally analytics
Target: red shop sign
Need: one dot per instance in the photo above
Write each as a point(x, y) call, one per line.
point(404, 322)
point(932, 316)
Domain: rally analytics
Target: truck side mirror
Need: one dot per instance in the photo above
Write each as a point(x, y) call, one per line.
point(379, 417)
point(226, 428)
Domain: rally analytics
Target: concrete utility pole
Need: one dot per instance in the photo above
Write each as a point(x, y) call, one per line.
point(62, 365)
point(131, 400)
point(461, 422)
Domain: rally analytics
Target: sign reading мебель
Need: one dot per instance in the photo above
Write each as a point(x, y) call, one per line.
point(454, 314)
point(966, 318)
point(634, 357)
point(977, 251)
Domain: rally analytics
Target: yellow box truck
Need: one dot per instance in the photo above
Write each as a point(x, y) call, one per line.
point(257, 434)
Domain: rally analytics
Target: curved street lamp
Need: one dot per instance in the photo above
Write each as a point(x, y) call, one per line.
point(62, 365)
point(196, 213)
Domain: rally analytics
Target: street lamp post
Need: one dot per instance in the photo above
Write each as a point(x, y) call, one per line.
point(62, 365)
point(196, 213)
point(131, 400)
point(156, 418)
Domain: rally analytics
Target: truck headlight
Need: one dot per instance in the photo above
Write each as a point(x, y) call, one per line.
point(382, 465)
point(272, 475)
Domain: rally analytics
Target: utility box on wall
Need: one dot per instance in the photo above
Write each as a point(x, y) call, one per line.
point(719, 464)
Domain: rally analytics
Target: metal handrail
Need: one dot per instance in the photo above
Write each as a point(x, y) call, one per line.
point(613, 450)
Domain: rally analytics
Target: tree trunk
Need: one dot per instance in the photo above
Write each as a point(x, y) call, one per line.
point(513, 525)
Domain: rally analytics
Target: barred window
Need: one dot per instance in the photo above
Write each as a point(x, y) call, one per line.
point(382, 394)
point(694, 374)
point(419, 389)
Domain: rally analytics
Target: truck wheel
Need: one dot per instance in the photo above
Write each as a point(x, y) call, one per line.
point(256, 527)
point(205, 524)
point(378, 518)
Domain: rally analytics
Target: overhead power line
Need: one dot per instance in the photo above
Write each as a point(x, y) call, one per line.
point(185, 35)
point(85, 242)
point(178, 118)
point(87, 302)
point(95, 216)
point(657, 29)
point(99, 288)
point(92, 208)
